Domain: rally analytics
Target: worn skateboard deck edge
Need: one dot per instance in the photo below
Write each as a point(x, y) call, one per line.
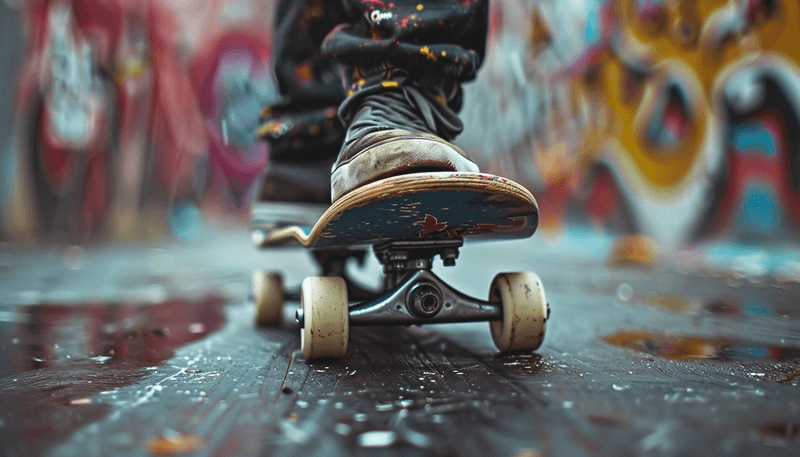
point(271, 215)
point(432, 182)
point(267, 217)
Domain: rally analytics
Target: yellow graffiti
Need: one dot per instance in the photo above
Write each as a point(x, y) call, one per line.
point(673, 61)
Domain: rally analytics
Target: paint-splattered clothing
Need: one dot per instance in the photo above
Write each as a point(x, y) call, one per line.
point(303, 125)
point(373, 45)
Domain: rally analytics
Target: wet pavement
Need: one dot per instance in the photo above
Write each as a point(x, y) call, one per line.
point(152, 350)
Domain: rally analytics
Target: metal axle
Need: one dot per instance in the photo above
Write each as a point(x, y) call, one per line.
point(415, 294)
point(422, 299)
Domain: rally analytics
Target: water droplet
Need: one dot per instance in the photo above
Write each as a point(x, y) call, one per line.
point(377, 438)
point(341, 429)
point(618, 387)
point(625, 292)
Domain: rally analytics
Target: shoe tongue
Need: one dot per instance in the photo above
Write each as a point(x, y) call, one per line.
point(415, 98)
point(438, 116)
point(407, 107)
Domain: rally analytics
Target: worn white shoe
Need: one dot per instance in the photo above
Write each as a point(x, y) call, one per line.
point(394, 132)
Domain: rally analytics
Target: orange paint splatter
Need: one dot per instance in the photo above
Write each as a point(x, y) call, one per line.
point(174, 445)
point(426, 51)
point(634, 250)
point(672, 347)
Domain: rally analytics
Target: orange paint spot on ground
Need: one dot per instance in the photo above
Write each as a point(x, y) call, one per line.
point(174, 445)
point(634, 250)
point(672, 347)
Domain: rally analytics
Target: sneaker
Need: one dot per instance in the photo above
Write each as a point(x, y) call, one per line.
point(396, 130)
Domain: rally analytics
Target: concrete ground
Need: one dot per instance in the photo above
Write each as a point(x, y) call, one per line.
point(152, 350)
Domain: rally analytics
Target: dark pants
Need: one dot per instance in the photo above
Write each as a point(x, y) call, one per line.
point(331, 53)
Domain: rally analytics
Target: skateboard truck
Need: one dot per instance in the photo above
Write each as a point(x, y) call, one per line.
point(415, 295)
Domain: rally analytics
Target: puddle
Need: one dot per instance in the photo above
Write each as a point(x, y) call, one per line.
point(58, 359)
point(726, 306)
point(687, 347)
point(131, 334)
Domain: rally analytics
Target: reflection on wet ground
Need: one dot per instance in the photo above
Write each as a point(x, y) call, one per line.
point(59, 356)
point(721, 306)
point(130, 335)
point(687, 347)
point(638, 360)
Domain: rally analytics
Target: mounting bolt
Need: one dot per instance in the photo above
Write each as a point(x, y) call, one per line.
point(424, 300)
point(422, 264)
point(449, 257)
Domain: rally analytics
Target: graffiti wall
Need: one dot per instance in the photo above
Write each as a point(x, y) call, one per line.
point(670, 118)
point(134, 118)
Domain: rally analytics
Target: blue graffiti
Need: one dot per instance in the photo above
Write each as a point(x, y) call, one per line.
point(758, 309)
point(752, 138)
point(593, 31)
point(759, 214)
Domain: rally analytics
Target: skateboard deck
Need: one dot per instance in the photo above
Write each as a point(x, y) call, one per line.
point(420, 206)
point(407, 220)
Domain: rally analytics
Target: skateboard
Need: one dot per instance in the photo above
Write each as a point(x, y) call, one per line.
point(408, 220)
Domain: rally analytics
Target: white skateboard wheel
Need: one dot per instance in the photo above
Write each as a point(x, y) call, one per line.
point(524, 311)
point(325, 317)
point(268, 297)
